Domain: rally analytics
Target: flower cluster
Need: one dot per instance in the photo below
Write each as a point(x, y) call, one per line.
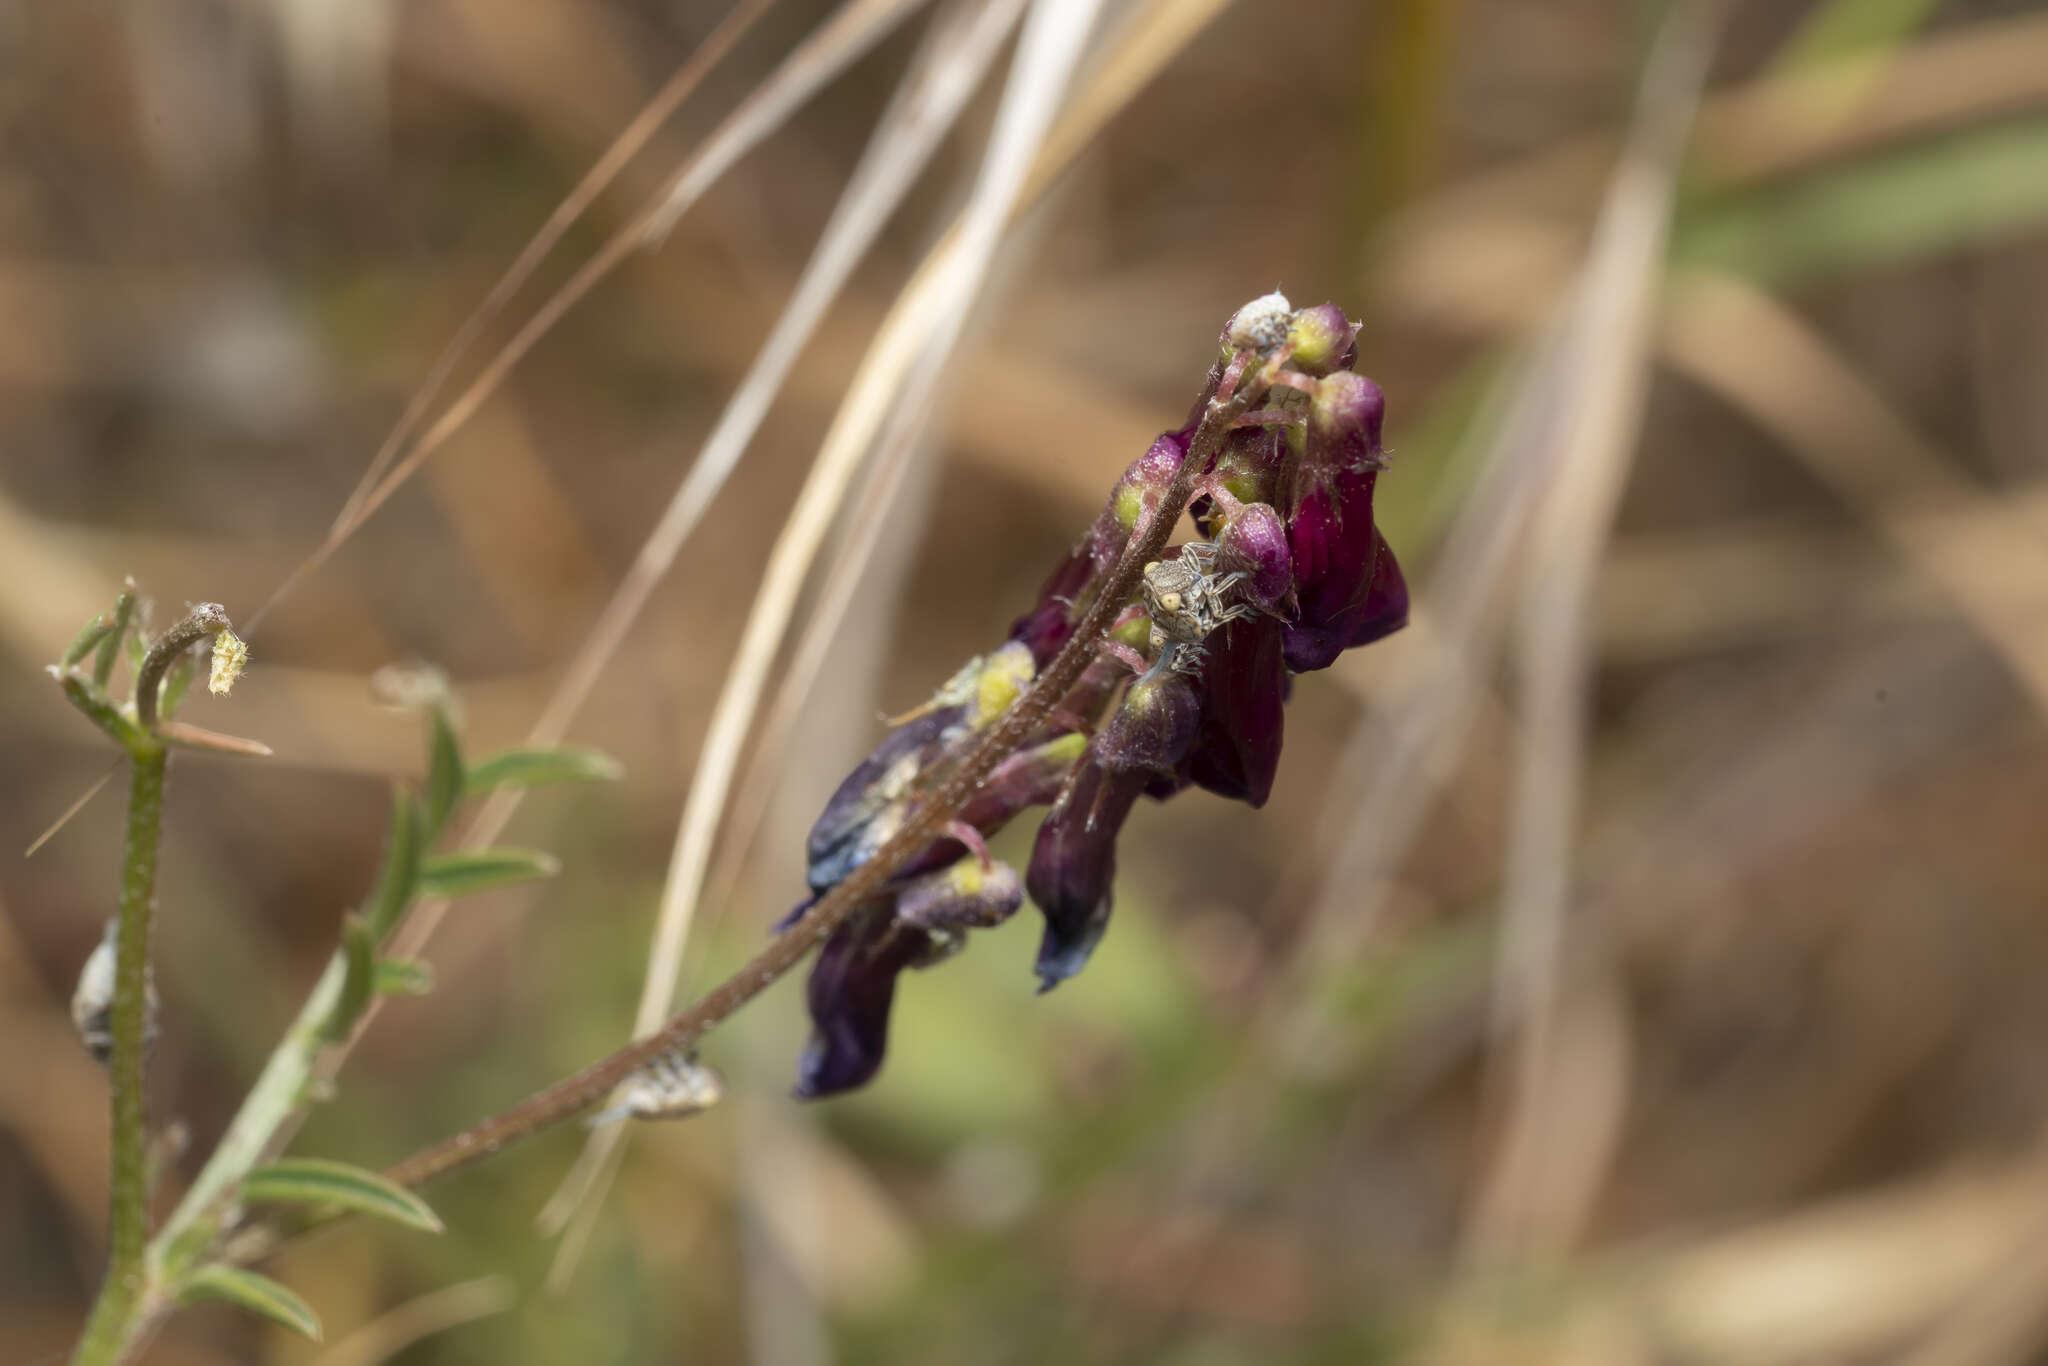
point(1291, 572)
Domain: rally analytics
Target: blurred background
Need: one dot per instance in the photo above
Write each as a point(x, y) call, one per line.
point(1640, 958)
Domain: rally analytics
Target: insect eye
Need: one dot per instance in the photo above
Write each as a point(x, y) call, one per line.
point(1170, 601)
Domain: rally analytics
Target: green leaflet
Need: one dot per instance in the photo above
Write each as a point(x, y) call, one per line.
point(452, 875)
point(257, 1294)
point(317, 1181)
point(539, 767)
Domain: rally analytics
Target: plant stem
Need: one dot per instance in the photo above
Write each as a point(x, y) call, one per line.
point(208, 618)
point(277, 1095)
point(578, 1092)
point(116, 1313)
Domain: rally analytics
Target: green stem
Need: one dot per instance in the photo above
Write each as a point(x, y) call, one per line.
point(119, 1311)
point(277, 1095)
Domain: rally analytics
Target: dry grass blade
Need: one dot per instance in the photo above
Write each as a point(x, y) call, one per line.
point(1151, 41)
point(50, 830)
point(1389, 774)
point(951, 64)
point(1542, 1182)
point(850, 33)
point(738, 133)
point(1760, 357)
point(622, 150)
point(389, 1334)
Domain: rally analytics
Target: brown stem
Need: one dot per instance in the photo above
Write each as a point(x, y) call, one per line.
point(207, 619)
point(581, 1090)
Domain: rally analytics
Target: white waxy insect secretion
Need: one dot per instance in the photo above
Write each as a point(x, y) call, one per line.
point(673, 1086)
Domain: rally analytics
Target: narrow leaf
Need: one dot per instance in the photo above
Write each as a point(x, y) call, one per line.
point(450, 875)
point(359, 954)
point(444, 773)
point(87, 640)
point(110, 644)
point(398, 879)
point(316, 1181)
point(404, 977)
point(538, 767)
point(198, 737)
point(257, 1294)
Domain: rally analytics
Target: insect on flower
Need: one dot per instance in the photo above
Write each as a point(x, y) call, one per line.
point(1290, 571)
point(1185, 602)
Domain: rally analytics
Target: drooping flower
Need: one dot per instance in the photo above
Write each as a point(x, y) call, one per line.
point(1293, 572)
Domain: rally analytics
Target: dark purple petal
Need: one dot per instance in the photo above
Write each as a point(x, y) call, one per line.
point(868, 807)
point(1046, 627)
point(850, 990)
point(1073, 866)
point(1335, 547)
point(965, 896)
point(1379, 609)
point(1383, 608)
point(1244, 684)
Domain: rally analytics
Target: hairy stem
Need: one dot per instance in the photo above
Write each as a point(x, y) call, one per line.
point(207, 619)
point(118, 1309)
point(578, 1092)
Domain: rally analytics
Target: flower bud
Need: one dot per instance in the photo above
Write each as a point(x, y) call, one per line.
point(1344, 421)
point(851, 987)
point(1261, 325)
point(1136, 496)
point(1253, 541)
point(1343, 590)
point(1154, 726)
point(965, 896)
point(1323, 340)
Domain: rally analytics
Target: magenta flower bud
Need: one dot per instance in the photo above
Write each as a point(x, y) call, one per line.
point(1344, 421)
point(1323, 340)
point(1047, 626)
point(965, 896)
point(1339, 582)
point(1136, 497)
point(1073, 866)
point(850, 990)
point(1154, 726)
point(1244, 688)
point(1254, 543)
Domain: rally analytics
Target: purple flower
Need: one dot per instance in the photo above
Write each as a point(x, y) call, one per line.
point(1073, 862)
point(1237, 752)
point(853, 983)
point(1293, 573)
point(851, 988)
point(1348, 586)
